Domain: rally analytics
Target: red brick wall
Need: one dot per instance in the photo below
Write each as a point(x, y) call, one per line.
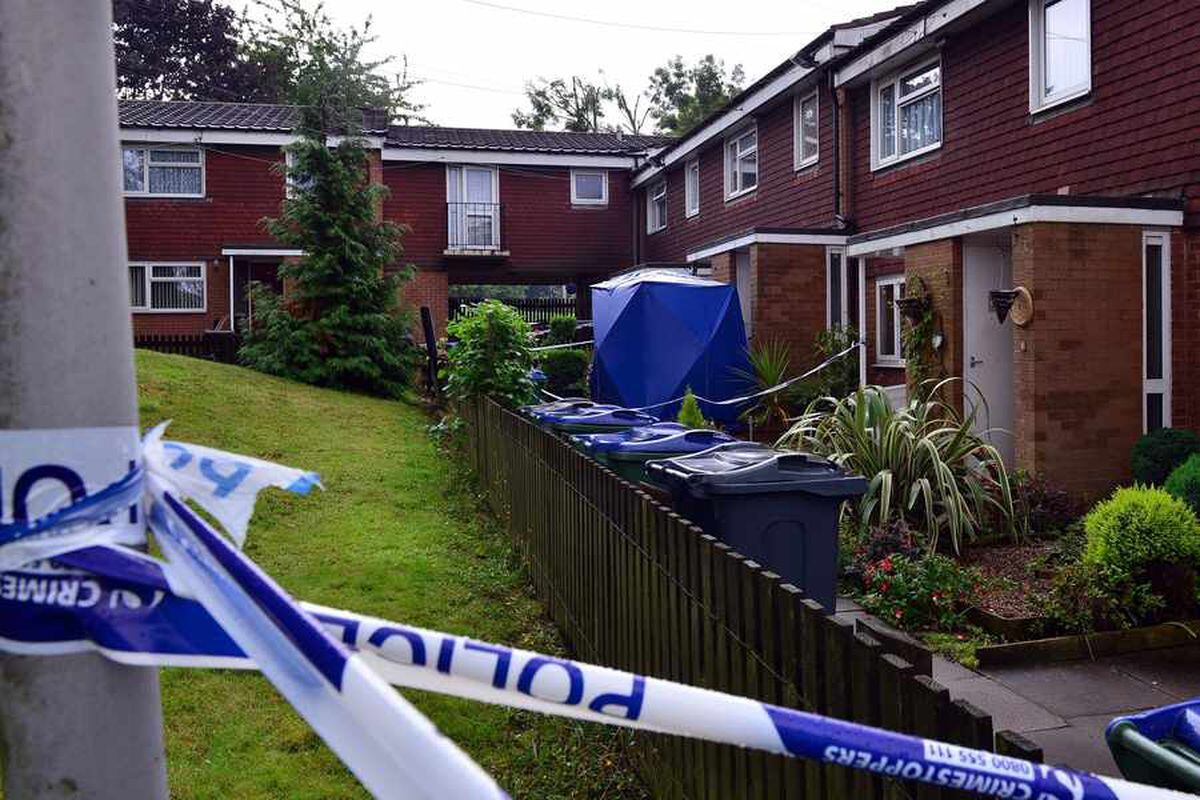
point(784, 197)
point(549, 239)
point(789, 297)
point(1136, 134)
point(1078, 364)
point(1185, 327)
point(240, 189)
point(429, 288)
point(939, 265)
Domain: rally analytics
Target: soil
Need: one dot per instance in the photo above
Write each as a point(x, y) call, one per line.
point(1012, 584)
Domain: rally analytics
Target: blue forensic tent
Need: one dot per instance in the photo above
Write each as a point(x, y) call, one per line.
point(659, 331)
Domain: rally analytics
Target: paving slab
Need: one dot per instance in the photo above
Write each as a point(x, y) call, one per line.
point(1081, 688)
point(1080, 745)
point(945, 670)
point(1010, 711)
point(1175, 670)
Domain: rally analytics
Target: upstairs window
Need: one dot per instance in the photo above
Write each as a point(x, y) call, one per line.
point(163, 172)
point(741, 163)
point(907, 114)
point(691, 188)
point(292, 180)
point(589, 187)
point(889, 346)
point(166, 287)
point(656, 207)
point(807, 127)
point(1060, 51)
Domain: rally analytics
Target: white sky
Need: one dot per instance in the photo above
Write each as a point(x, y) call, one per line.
point(476, 58)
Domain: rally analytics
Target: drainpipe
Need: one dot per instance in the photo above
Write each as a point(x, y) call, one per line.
point(837, 162)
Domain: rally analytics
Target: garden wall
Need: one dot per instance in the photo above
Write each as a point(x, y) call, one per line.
point(634, 586)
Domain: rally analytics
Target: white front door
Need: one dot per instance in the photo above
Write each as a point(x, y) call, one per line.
point(988, 354)
point(744, 289)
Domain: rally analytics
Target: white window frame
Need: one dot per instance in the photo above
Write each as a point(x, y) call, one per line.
point(454, 218)
point(731, 174)
point(898, 334)
point(830, 322)
point(893, 80)
point(1161, 385)
point(800, 158)
point(576, 200)
point(1038, 99)
point(146, 150)
point(653, 193)
point(147, 280)
point(691, 192)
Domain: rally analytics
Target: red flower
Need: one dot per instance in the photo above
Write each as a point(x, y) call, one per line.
point(883, 587)
point(899, 613)
point(886, 564)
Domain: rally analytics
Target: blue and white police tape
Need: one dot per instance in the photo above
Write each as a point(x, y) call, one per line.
point(121, 604)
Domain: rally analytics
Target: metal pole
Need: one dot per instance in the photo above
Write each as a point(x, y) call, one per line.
point(78, 726)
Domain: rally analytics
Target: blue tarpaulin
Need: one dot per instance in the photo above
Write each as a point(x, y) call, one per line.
point(660, 331)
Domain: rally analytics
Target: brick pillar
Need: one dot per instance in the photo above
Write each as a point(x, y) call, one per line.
point(1078, 364)
point(429, 287)
point(1185, 328)
point(939, 265)
point(788, 297)
point(375, 177)
point(722, 267)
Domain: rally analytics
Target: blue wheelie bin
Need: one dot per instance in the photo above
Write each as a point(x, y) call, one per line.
point(539, 410)
point(1159, 747)
point(627, 452)
point(778, 508)
point(600, 419)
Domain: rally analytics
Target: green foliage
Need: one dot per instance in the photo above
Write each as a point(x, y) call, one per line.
point(962, 646)
point(562, 329)
point(492, 357)
point(1159, 452)
point(839, 379)
point(575, 103)
point(341, 326)
point(1139, 526)
point(770, 365)
point(1085, 598)
point(924, 462)
point(1184, 482)
point(566, 371)
point(690, 413)
point(894, 538)
point(1045, 508)
point(682, 95)
point(920, 358)
point(918, 593)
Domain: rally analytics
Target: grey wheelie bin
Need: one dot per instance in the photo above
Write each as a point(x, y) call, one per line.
point(779, 509)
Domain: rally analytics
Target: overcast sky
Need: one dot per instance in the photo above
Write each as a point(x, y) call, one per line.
point(475, 55)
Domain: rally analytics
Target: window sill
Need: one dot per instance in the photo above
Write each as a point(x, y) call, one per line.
point(1059, 102)
point(729, 198)
point(692, 215)
point(877, 166)
point(169, 310)
point(139, 196)
point(656, 230)
point(889, 365)
point(577, 206)
point(801, 166)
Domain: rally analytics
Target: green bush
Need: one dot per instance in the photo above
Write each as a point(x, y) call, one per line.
point(1159, 452)
point(492, 357)
point(1184, 482)
point(562, 329)
point(1085, 598)
point(924, 462)
point(690, 413)
point(566, 371)
point(1137, 527)
point(930, 593)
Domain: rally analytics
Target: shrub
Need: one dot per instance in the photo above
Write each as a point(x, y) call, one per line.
point(1184, 482)
point(1044, 507)
point(1139, 526)
point(924, 462)
point(1085, 598)
point(562, 329)
point(492, 357)
point(893, 538)
point(840, 378)
point(1159, 452)
point(770, 365)
point(566, 371)
point(916, 593)
point(690, 413)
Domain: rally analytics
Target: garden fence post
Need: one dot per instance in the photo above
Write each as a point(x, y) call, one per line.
point(77, 725)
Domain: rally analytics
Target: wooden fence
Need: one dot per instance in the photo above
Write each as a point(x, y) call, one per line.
point(634, 586)
point(532, 309)
point(213, 346)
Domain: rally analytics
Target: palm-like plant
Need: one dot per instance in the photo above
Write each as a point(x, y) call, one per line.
point(924, 461)
point(770, 365)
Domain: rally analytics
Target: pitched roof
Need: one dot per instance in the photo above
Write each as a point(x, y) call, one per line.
point(198, 114)
point(519, 140)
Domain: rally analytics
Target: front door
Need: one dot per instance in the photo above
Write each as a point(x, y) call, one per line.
point(988, 355)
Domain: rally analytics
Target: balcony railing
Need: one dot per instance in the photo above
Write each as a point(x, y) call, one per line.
point(473, 226)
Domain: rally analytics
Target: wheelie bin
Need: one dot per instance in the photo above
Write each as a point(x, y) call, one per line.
point(626, 452)
point(600, 419)
point(1159, 747)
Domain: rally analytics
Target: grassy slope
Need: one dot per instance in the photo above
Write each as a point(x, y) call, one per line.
point(390, 536)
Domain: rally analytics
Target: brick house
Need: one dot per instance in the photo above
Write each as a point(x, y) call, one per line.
point(482, 206)
point(979, 145)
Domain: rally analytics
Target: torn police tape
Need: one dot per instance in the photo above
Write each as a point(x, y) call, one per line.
point(208, 605)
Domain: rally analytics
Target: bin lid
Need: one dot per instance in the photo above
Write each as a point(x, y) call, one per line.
point(749, 468)
point(609, 416)
point(595, 443)
point(557, 406)
point(1179, 722)
point(672, 443)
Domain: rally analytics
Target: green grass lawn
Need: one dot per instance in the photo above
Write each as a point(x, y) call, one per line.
point(395, 534)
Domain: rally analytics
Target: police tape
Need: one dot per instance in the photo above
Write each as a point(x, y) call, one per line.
point(208, 605)
point(121, 604)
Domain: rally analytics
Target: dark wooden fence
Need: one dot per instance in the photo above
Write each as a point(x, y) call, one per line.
point(213, 346)
point(533, 309)
point(634, 586)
